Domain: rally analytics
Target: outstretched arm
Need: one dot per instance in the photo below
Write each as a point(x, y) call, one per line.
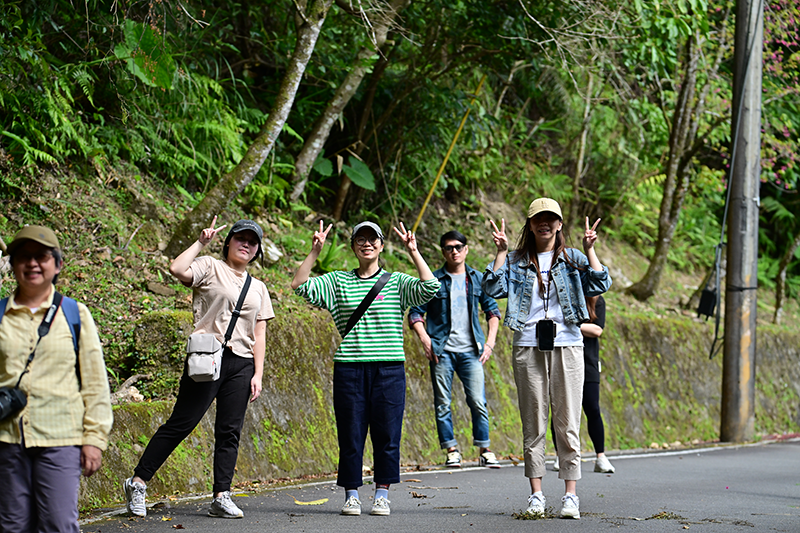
point(410, 242)
point(304, 271)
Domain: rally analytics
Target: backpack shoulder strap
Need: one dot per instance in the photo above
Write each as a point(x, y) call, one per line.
point(3, 304)
point(73, 316)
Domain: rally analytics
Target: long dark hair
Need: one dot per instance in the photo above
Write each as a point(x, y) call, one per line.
point(591, 306)
point(526, 251)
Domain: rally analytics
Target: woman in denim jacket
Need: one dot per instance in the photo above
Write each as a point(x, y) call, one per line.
point(547, 282)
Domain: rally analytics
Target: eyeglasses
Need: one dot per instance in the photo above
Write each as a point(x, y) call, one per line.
point(39, 257)
point(361, 241)
point(456, 247)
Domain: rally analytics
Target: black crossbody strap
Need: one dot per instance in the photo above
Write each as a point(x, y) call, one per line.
point(362, 307)
point(237, 311)
point(44, 329)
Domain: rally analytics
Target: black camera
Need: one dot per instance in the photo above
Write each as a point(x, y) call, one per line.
point(12, 400)
point(545, 335)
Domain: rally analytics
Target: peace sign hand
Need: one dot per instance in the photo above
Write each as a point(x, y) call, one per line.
point(590, 235)
point(409, 238)
point(319, 237)
point(499, 235)
point(209, 233)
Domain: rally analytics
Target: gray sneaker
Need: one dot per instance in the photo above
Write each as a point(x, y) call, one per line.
point(135, 494)
point(380, 507)
point(571, 506)
point(536, 504)
point(352, 507)
point(223, 507)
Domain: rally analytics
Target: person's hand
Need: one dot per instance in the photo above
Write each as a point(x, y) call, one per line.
point(408, 238)
point(590, 235)
point(487, 353)
point(319, 237)
point(91, 459)
point(209, 233)
point(499, 235)
point(427, 348)
point(255, 388)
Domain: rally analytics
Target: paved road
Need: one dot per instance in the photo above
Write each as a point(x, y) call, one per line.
point(732, 489)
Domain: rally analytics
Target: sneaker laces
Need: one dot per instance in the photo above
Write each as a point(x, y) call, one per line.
point(570, 499)
point(138, 493)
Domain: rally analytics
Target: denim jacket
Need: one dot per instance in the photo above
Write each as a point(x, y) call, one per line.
point(438, 310)
point(517, 281)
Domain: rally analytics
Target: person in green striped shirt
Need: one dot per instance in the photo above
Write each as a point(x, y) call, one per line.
point(369, 381)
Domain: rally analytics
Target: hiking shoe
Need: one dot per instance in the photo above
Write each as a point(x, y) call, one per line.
point(223, 507)
point(489, 460)
point(570, 507)
point(380, 507)
point(556, 465)
point(536, 503)
point(352, 507)
point(135, 494)
point(603, 465)
point(453, 459)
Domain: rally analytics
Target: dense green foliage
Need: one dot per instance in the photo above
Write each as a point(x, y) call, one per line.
point(178, 90)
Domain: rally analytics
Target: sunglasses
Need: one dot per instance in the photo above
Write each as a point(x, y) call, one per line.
point(456, 247)
point(39, 257)
point(361, 241)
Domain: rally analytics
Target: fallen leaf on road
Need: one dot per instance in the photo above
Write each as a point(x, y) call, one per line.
point(418, 495)
point(178, 526)
point(412, 481)
point(166, 518)
point(315, 502)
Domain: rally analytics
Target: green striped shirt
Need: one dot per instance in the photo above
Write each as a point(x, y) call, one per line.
point(378, 336)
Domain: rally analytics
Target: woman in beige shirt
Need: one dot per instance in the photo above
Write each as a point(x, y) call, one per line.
point(216, 286)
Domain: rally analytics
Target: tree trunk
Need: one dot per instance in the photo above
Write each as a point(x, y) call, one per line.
point(780, 286)
point(309, 24)
point(322, 128)
point(683, 145)
point(576, 180)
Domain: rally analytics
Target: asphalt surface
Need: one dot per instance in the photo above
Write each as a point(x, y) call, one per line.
point(744, 489)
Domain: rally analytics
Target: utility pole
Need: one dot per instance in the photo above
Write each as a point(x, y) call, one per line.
point(739, 360)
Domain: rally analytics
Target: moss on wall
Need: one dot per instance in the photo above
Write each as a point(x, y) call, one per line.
point(657, 385)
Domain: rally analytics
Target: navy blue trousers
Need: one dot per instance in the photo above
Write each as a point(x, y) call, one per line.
point(369, 397)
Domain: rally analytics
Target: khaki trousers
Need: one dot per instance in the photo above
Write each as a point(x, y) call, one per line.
point(555, 380)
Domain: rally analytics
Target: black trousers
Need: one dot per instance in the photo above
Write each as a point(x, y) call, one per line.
point(232, 392)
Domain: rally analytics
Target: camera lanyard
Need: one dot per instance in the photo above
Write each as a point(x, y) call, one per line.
point(44, 329)
point(546, 301)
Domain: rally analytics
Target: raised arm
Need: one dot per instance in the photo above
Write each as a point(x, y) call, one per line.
point(410, 242)
point(181, 266)
point(301, 276)
point(501, 242)
point(589, 238)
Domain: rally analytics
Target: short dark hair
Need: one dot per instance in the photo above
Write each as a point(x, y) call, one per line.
point(452, 236)
point(58, 257)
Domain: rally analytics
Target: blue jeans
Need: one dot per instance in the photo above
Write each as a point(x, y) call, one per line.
point(369, 397)
point(470, 371)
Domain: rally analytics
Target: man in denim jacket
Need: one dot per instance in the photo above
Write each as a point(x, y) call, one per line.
point(453, 341)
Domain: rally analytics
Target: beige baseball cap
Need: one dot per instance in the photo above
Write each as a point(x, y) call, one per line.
point(541, 205)
point(40, 234)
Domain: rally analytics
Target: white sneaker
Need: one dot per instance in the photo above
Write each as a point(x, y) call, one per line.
point(453, 459)
point(223, 507)
point(602, 464)
point(489, 460)
point(536, 503)
point(556, 465)
point(352, 507)
point(380, 507)
point(571, 506)
point(135, 495)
